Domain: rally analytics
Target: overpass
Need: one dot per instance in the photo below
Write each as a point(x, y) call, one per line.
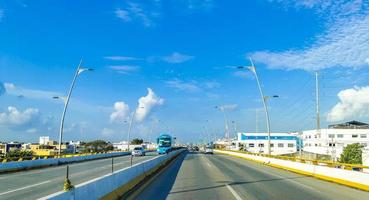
point(191, 175)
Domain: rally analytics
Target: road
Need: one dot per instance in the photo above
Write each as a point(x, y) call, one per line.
point(33, 184)
point(199, 176)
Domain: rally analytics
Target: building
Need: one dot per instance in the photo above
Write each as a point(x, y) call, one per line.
point(280, 143)
point(6, 147)
point(44, 140)
point(331, 141)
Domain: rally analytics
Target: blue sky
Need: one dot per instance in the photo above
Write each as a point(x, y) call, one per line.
point(177, 59)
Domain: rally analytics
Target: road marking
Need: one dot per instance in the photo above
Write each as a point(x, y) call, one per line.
point(22, 188)
point(234, 192)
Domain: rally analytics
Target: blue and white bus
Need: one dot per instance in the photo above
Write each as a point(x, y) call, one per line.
point(164, 142)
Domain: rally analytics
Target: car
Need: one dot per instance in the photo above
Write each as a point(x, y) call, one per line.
point(196, 148)
point(208, 150)
point(138, 151)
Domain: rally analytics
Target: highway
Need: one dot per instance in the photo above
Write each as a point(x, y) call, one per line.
point(33, 184)
point(199, 176)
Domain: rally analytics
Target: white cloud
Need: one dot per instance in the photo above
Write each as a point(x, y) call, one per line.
point(14, 90)
point(230, 107)
point(124, 69)
point(212, 84)
point(343, 44)
point(135, 11)
point(121, 112)
point(14, 118)
point(123, 14)
point(177, 58)
point(353, 103)
point(120, 58)
point(106, 132)
point(146, 104)
point(243, 74)
point(183, 86)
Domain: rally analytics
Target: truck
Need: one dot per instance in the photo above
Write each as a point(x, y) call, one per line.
point(164, 142)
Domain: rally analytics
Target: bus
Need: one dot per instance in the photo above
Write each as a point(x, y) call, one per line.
point(164, 142)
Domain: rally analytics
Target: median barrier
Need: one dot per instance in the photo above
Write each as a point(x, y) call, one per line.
point(117, 184)
point(350, 178)
point(38, 163)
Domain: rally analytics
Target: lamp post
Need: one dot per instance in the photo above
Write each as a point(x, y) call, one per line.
point(222, 108)
point(130, 125)
point(263, 98)
point(79, 71)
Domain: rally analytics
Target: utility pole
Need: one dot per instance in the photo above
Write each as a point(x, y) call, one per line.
point(317, 101)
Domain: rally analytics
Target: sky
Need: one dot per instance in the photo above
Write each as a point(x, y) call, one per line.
point(171, 62)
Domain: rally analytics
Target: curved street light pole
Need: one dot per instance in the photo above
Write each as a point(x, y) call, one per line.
point(130, 126)
point(264, 99)
point(221, 108)
point(66, 102)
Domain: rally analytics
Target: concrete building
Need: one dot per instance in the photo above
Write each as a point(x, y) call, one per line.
point(44, 140)
point(281, 143)
point(331, 141)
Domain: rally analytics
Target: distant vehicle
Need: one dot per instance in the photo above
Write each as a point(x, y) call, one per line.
point(196, 148)
point(138, 151)
point(164, 144)
point(209, 150)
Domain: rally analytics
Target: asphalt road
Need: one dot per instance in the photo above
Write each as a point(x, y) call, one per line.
point(199, 176)
point(38, 183)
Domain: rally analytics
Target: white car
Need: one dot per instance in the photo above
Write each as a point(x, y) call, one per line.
point(208, 150)
point(138, 151)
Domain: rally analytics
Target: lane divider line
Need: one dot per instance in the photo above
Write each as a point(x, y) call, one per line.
point(234, 193)
point(23, 188)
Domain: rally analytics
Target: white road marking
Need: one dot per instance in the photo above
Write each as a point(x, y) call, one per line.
point(234, 193)
point(208, 164)
point(22, 188)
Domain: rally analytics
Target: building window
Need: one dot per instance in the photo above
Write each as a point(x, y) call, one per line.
point(315, 136)
point(316, 144)
point(251, 145)
point(354, 136)
point(261, 145)
point(271, 145)
point(331, 135)
point(290, 145)
point(280, 145)
point(339, 135)
point(309, 136)
point(362, 135)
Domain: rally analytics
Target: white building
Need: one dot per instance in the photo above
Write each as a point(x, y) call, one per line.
point(44, 140)
point(280, 143)
point(331, 141)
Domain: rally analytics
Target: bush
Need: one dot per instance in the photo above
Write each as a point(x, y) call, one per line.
point(352, 154)
point(19, 154)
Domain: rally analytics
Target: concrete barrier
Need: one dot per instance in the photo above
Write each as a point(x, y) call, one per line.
point(113, 186)
point(30, 164)
point(354, 179)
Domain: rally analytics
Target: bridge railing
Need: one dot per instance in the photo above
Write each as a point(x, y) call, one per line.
point(346, 166)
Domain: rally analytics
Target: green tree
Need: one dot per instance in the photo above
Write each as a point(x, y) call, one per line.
point(137, 141)
point(17, 153)
point(352, 154)
point(98, 146)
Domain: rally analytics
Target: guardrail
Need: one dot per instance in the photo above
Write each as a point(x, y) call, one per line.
point(117, 184)
point(346, 166)
point(38, 163)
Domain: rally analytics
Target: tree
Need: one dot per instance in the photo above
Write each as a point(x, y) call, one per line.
point(17, 153)
point(137, 141)
point(352, 154)
point(98, 146)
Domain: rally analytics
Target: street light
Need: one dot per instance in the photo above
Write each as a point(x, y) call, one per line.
point(222, 108)
point(79, 71)
point(130, 126)
point(263, 98)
